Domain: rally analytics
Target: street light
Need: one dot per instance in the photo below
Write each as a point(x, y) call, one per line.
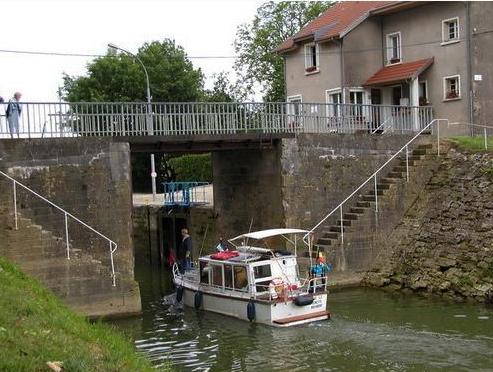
point(148, 116)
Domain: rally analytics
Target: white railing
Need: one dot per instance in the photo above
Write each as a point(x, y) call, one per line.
point(132, 119)
point(112, 245)
point(484, 127)
point(373, 177)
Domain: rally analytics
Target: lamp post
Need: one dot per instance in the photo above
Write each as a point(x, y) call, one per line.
point(148, 112)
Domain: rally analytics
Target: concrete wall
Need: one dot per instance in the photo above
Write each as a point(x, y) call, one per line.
point(362, 53)
point(247, 187)
point(90, 178)
point(482, 55)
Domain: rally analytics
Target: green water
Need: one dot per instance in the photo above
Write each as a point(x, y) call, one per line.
point(370, 331)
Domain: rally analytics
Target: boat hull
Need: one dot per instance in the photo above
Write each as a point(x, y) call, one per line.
point(278, 314)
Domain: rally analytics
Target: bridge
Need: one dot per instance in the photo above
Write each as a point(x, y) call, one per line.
point(206, 125)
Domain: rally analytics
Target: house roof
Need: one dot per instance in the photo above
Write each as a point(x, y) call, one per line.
point(398, 72)
point(335, 22)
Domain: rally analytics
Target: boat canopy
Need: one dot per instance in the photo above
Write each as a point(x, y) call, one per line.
point(258, 235)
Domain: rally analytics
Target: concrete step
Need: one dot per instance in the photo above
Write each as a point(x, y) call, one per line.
point(420, 151)
point(324, 241)
point(363, 204)
point(358, 210)
point(426, 146)
point(330, 234)
point(389, 180)
point(345, 222)
point(394, 174)
point(338, 228)
point(350, 216)
point(368, 198)
point(400, 168)
point(380, 192)
point(383, 186)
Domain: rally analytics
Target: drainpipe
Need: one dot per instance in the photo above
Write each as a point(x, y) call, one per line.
point(469, 66)
point(343, 78)
point(284, 74)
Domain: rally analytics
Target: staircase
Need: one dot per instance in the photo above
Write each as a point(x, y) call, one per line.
point(352, 243)
point(330, 235)
point(82, 282)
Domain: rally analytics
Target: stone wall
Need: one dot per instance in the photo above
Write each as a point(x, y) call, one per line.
point(247, 190)
point(443, 245)
point(319, 171)
point(89, 178)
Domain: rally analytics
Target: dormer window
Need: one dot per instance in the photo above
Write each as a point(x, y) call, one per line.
point(394, 53)
point(450, 30)
point(311, 58)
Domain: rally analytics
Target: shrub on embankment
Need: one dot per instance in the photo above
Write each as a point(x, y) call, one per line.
point(36, 328)
point(444, 244)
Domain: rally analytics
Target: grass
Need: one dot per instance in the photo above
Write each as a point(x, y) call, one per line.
point(474, 144)
point(35, 327)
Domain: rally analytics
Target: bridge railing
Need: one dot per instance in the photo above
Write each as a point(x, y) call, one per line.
point(132, 119)
point(185, 194)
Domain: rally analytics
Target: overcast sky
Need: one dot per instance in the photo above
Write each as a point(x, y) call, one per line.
point(203, 28)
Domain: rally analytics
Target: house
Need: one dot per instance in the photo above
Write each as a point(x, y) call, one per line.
point(399, 55)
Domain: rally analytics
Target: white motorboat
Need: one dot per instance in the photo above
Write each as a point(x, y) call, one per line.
point(256, 281)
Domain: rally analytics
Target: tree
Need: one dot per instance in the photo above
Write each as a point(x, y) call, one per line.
point(274, 22)
point(119, 78)
point(223, 90)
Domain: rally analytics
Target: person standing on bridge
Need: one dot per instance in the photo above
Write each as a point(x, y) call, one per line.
point(185, 251)
point(13, 114)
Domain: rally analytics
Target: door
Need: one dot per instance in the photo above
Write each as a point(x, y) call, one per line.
point(376, 99)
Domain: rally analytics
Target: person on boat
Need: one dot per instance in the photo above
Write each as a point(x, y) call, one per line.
point(320, 270)
point(185, 251)
point(221, 246)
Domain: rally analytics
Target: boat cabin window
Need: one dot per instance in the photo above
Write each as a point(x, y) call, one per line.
point(228, 276)
point(262, 271)
point(240, 278)
point(217, 275)
point(204, 272)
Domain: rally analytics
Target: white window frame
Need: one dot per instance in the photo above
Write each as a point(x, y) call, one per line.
point(390, 48)
point(330, 105)
point(358, 111)
point(359, 89)
point(445, 39)
point(445, 78)
point(425, 82)
point(308, 57)
point(291, 100)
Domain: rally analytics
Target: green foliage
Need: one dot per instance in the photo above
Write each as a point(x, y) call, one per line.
point(474, 144)
point(223, 90)
point(196, 167)
point(120, 78)
point(35, 328)
point(255, 42)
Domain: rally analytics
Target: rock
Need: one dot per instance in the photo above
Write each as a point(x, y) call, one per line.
point(445, 262)
point(444, 286)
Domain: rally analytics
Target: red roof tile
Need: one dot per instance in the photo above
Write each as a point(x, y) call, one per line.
point(399, 72)
point(334, 22)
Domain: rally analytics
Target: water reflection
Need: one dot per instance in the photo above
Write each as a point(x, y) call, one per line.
point(370, 330)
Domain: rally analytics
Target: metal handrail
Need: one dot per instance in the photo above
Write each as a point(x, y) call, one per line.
point(113, 245)
point(485, 128)
point(374, 177)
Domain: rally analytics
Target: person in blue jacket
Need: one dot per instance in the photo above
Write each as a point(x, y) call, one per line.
point(319, 270)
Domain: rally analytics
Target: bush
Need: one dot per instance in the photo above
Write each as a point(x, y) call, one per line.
point(196, 167)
